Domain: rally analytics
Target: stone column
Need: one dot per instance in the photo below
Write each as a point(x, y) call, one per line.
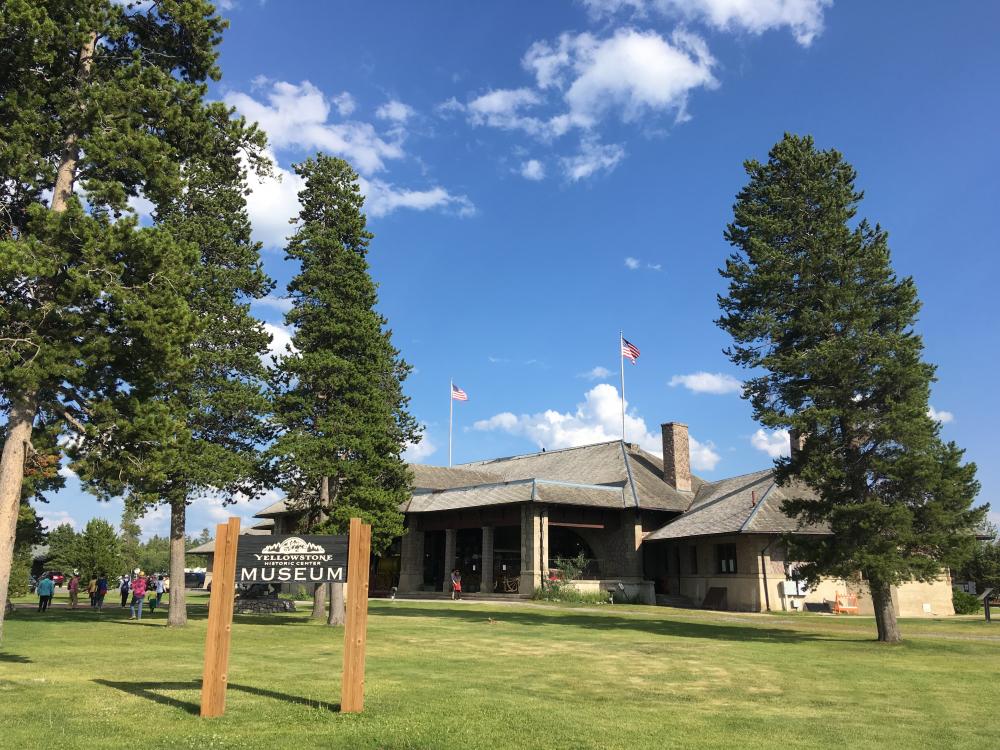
point(628, 562)
point(543, 552)
point(487, 561)
point(530, 549)
point(411, 561)
point(449, 557)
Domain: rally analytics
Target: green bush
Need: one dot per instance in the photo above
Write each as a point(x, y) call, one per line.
point(966, 604)
point(20, 570)
point(556, 591)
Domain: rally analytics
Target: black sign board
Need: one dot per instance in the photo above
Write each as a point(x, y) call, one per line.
point(291, 558)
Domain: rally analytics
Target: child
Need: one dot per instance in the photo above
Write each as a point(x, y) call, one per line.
point(456, 584)
point(123, 588)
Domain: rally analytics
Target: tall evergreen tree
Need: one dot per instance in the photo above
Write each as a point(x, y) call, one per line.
point(210, 418)
point(340, 405)
point(104, 99)
point(815, 309)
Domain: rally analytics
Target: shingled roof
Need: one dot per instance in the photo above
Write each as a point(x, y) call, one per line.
point(747, 504)
point(635, 473)
point(518, 491)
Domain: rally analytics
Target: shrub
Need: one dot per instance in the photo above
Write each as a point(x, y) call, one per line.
point(559, 592)
point(19, 572)
point(966, 604)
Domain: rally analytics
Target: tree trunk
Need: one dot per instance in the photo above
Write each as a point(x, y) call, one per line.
point(15, 449)
point(66, 175)
point(319, 602)
point(338, 610)
point(885, 614)
point(319, 590)
point(177, 609)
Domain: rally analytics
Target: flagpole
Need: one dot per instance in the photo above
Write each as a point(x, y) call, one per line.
point(621, 358)
point(451, 414)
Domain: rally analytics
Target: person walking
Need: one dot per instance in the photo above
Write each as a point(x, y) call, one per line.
point(102, 591)
point(456, 584)
point(74, 590)
point(45, 588)
point(92, 590)
point(160, 588)
point(138, 597)
point(124, 586)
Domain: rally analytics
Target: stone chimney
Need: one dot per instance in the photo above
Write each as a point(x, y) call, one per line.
point(676, 456)
point(797, 440)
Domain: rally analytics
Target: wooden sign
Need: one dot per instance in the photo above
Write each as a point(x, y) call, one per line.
point(352, 693)
point(292, 559)
point(220, 620)
point(280, 557)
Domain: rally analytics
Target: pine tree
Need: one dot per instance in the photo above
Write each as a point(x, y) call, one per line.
point(340, 404)
point(209, 420)
point(106, 100)
point(816, 311)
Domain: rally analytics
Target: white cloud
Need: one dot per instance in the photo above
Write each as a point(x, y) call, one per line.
point(803, 17)
point(52, 518)
point(281, 304)
point(593, 158)
point(533, 170)
point(632, 264)
point(597, 373)
point(272, 204)
point(597, 419)
point(774, 443)
point(382, 197)
point(501, 108)
point(415, 453)
point(395, 111)
point(281, 340)
point(631, 72)
point(944, 417)
point(344, 103)
point(274, 201)
point(295, 116)
point(707, 382)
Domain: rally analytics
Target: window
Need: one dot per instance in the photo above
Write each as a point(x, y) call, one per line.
point(726, 555)
point(693, 558)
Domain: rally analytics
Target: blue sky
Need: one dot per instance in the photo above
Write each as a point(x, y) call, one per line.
point(541, 175)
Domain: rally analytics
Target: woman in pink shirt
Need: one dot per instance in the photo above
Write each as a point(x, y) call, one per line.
point(138, 596)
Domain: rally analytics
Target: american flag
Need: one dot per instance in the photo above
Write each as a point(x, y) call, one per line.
point(630, 350)
point(458, 394)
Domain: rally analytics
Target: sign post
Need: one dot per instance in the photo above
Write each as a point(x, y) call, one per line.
point(352, 693)
point(220, 619)
point(267, 559)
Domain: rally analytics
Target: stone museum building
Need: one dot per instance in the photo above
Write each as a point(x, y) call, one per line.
point(649, 530)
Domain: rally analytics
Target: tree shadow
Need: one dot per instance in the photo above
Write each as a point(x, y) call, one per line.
point(149, 691)
point(15, 658)
point(729, 631)
point(195, 612)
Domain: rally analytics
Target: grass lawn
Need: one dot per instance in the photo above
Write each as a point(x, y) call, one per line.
point(465, 675)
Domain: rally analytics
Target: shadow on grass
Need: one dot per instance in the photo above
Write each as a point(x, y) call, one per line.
point(611, 622)
point(15, 658)
point(195, 612)
point(152, 691)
